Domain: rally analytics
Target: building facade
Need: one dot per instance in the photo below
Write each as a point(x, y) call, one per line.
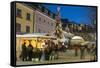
point(34, 19)
point(43, 23)
point(75, 27)
point(24, 19)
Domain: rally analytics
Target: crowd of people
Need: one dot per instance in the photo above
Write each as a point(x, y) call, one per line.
point(84, 50)
point(26, 52)
point(48, 51)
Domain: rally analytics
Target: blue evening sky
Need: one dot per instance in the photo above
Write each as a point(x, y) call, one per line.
point(78, 14)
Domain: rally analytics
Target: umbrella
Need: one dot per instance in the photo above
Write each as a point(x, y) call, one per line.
point(77, 40)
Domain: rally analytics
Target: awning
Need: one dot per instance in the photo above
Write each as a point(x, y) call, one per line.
point(39, 35)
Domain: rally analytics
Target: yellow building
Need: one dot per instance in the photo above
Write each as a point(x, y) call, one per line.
point(24, 18)
point(27, 21)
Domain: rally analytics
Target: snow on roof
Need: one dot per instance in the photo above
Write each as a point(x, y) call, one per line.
point(77, 37)
point(66, 34)
point(35, 35)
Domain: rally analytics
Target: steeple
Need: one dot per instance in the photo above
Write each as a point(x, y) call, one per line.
point(58, 20)
point(58, 11)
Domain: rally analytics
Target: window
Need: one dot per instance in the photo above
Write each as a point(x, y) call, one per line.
point(28, 16)
point(44, 32)
point(18, 12)
point(44, 20)
point(39, 30)
point(27, 29)
point(54, 16)
point(48, 13)
point(42, 9)
point(51, 24)
point(18, 27)
point(48, 23)
point(39, 18)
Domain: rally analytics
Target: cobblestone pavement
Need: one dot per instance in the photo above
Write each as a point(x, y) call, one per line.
point(67, 56)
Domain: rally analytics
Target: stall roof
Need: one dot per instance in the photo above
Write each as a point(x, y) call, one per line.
point(36, 35)
point(77, 38)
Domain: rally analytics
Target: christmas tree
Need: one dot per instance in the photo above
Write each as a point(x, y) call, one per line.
point(58, 31)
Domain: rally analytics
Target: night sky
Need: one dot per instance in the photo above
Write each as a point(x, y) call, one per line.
point(78, 14)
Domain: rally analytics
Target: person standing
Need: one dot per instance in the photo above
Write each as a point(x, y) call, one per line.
point(42, 51)
point(24, 52)
point(76, 50)
point(82, 52)
point(46, 51)
point(30, 51)
point(93, 52)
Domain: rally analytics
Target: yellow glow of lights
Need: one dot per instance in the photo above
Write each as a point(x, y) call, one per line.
point(35, 43)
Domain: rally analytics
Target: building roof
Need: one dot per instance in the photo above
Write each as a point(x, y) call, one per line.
point(35, 6)
point(66, 21)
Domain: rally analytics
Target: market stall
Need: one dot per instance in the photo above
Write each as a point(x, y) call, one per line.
point(36, 41)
